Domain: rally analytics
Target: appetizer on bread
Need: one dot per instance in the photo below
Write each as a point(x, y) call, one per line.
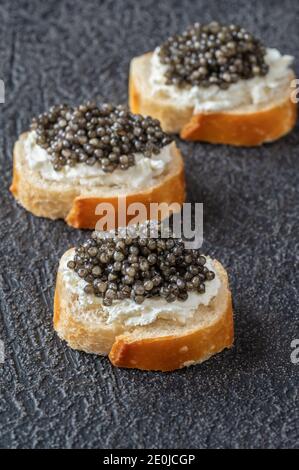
point(145, 301)
point(215, 83)
point(73, 159)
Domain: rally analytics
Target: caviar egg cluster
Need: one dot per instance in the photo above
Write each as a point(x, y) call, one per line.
point(139, 267)
point(212, 54)
point(106, 135)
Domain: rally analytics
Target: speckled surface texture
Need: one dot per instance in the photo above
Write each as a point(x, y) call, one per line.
point(51, 396)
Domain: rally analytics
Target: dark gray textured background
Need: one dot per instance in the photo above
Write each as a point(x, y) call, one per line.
point(51, 396)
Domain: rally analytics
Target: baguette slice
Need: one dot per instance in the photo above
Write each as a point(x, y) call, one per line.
point(245, 126)
point(163, 345)
point(77, 204)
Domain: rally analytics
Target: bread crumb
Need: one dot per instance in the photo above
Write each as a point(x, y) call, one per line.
point(183, 349)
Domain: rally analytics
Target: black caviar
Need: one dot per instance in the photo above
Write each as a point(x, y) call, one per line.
point(212, 54)
point(139, 267)
point(107, 135)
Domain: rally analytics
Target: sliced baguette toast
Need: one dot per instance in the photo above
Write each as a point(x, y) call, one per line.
point(77, 204)
point(163, 345)
point(245, 126)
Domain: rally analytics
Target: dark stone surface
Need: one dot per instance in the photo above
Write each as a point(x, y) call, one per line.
point(52, 396)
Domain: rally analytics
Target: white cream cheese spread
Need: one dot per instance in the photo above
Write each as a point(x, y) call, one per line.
point(253, 91)
point(129, 313)
point(140, 175)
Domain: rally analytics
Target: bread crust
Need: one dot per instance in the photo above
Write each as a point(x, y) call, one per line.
point(241, 127)
point(247, 130)
point(158, 352)
point(174, 352)
point(78, 205)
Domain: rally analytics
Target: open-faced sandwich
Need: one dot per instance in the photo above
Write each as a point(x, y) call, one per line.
point(74, 158)
point(215, 83)
point(143, 299)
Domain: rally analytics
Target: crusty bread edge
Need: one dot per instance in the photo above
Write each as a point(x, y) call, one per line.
point(168, 353)
point(170, 189)
point(78, 207)
point(246, 130)
point(265, 124)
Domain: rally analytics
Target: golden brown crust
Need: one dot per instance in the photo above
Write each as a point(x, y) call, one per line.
point(241, 128)
point(248, 129)
point(78, 206)
point(168, 353)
